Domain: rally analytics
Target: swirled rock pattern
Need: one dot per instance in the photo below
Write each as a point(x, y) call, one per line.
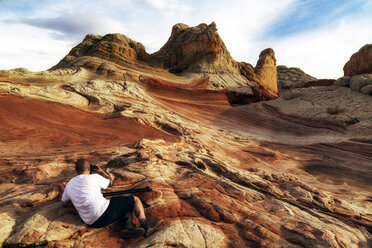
point(289, 172)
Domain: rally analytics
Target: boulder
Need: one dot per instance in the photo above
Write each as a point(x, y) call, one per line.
point(51, 223)
point(360, 62)
point(289, 78)
point(343, 81)
point(361, 83)
point(6, 226)
point(191, 233)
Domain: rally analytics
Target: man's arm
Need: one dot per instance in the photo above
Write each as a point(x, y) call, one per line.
point(65, 200)
point(105, 174)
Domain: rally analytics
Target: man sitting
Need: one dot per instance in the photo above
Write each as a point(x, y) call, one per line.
point(84, 191)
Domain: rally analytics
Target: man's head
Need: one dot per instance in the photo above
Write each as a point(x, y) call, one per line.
point(82, 166)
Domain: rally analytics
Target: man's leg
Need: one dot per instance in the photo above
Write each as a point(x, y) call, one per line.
point(128, 219)
point(130, 230)
point(150, 227)
point(138, 209)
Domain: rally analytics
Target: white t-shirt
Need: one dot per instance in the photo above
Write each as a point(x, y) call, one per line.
point(85, 193)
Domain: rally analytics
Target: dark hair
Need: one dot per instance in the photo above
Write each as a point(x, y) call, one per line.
point(82, 165)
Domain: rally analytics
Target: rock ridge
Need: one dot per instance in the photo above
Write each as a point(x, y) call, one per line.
point(189, 52)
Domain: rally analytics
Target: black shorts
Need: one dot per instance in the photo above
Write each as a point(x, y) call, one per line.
point(117, 208)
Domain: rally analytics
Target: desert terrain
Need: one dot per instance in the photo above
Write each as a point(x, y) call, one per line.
point(237, 155)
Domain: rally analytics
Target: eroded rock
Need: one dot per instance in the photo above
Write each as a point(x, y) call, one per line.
point(291, 172)
point(361, 83)
point(186, 233)
point(266, 70)
point(360, 62)
point(289, 78)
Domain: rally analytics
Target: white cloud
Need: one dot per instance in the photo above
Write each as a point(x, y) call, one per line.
point(167, 5)
point(322, 53)
point(58, 26)
point(27, 47)
point(69, 26)
point(242, 24)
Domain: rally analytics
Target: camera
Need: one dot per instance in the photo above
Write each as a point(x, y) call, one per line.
point(93, 167)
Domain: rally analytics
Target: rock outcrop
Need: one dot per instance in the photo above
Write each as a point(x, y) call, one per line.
point(290, 78)
point(360, 62)
point(289, 172)
point(189, 52)
point(319, 82)
point(113, 47)
point(195, 49)
point(358, 71)
point(266, 71)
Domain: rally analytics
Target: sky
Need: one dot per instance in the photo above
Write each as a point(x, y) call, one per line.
point(317, 36)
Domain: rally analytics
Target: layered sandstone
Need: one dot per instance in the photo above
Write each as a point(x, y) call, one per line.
point(289, 78)
point(190, 52)
point(195, 49)
point(114, 47)
point(290, 172)
point(266, 71)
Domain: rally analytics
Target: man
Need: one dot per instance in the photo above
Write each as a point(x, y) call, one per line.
point(84, 192)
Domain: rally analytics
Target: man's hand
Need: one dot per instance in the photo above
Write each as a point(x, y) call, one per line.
point(107, 174)
point(99, 170)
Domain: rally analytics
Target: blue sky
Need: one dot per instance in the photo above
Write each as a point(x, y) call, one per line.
point(308, 14)
point(317, 36)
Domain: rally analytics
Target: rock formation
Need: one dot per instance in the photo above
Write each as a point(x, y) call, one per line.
point(289, 172)
point(114, 47)
point(360, 62)
point(358, 71)
point(266, 71)
point(319, 82)
point(289, 78)
point(190, 52)
point(197, 49)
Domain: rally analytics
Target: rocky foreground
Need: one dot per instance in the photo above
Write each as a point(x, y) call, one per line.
point(233, 160)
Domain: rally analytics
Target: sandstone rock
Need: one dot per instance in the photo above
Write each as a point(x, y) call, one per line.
point(240, 95)
point(366, 89)
point(186, 233)
point(343, 81)
point(247, 70)
point(197, 49)
point(289, 78)
point(293, 94)
point(113, 47)
point(319, 82)
point(266, 71)
point(51, 223)
point(290, 172)
point(6, 226)
point(361, 83)
point(360, 62)
point(189, 52)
